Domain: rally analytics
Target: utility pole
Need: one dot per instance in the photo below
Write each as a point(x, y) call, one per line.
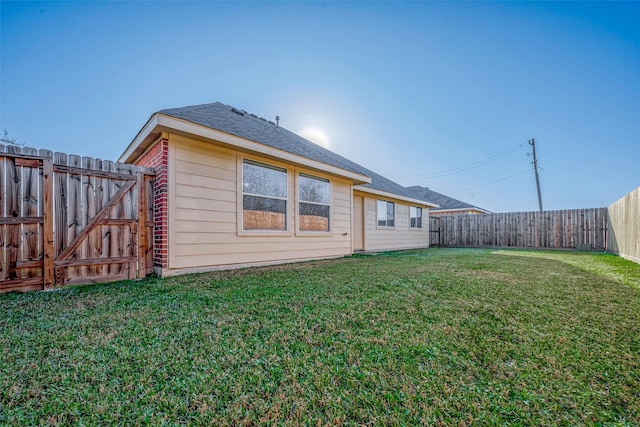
point(535, 169)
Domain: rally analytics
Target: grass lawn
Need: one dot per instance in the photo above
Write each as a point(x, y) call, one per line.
point(438, 336)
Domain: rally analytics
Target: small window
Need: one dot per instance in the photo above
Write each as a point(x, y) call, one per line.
point(314, 203)
point(264, 197)
point(416, 217)
point(386, 213)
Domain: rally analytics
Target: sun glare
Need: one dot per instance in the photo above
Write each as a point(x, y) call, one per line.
point(317, 136)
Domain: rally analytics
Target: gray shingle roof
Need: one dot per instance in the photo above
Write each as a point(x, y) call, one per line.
point(249, 126)
point(445, 202)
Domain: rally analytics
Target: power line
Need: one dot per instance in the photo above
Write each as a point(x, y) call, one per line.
point(468, 166)
point(492, 182)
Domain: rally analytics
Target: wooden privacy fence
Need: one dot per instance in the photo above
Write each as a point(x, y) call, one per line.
point(68, 219)
point(624, 226)
point(564, 229)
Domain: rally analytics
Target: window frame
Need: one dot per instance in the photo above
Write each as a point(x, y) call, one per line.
point(299, 201)
point(411, 207)
point(387, 203)
point(242, 193)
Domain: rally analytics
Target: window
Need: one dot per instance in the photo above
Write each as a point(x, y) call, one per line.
point(416, 217)
point(386, 213)
point(314, 203)
point(264, 197)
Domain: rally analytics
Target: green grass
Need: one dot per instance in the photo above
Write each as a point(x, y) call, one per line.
point(438, 337)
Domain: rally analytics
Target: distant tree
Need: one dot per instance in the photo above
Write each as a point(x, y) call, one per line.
point(6, 139)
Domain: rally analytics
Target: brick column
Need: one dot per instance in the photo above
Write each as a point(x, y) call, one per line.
point(157, 158)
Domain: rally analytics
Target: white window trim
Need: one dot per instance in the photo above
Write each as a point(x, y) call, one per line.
point(421, 218)
point(298, 201)
point(395, 220)
point(240, 200)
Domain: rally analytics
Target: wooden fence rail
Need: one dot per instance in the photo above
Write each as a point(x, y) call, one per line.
point(563, 229)
point(68, 219)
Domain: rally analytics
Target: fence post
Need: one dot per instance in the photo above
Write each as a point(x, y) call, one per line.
point(49, 256)
point(142, 226)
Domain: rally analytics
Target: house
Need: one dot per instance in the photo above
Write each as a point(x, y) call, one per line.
point(447, 205)
point(233, 190)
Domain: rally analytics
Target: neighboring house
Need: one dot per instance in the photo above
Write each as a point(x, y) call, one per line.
point(233, 190)
point(447, 205)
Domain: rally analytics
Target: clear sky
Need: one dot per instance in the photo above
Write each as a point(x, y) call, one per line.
point(409, 90)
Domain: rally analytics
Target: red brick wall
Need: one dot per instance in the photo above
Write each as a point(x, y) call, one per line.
point(157, 158)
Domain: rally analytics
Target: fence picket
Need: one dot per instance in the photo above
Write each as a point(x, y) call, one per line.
point(48, 208)
point(31, 207)
point(89, 195)
point(3, 227)
point(12, 193)
point(115, 236)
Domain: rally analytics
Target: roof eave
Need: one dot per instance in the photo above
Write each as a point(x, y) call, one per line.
point(463, 209)
point(133, 151)
point(161, 122)
point(395, 196)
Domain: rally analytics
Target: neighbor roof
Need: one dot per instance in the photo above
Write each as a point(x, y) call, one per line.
point(240, 123)
point(445, 202)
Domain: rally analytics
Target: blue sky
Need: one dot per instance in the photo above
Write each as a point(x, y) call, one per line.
point(406, 89)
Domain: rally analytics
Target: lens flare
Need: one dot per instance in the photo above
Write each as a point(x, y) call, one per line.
point(317, 136)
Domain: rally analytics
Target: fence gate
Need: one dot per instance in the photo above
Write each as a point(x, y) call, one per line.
point(66, 219)
point(434, 230)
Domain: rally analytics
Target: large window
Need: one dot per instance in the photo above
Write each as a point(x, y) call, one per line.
point(416, 217)
point(386, 213)
point(314, 203)
point(264, 197)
